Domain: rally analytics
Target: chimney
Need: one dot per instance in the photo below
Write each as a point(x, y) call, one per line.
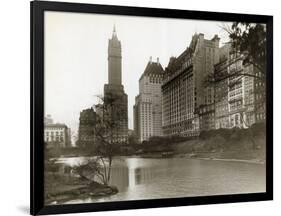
point(157, 60)
point(216, 40)
point(150, 59)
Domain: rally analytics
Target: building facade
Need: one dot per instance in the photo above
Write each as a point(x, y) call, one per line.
point(57, 135)
point(221, 89)
point(86, 131)
point(48, 119)
point(234, 91)
point(187, 103)
point(115, 98)
point(260, 97)
point(148, 104)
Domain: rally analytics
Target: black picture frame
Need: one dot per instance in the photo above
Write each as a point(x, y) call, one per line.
point(37, 105)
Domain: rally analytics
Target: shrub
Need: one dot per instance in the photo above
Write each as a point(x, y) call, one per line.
point(258, 129)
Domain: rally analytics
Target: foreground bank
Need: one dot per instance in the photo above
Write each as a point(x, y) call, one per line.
point(61, 188)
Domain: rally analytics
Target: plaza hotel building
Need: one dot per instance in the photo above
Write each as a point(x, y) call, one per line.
point(187, 102)
point(206, 87)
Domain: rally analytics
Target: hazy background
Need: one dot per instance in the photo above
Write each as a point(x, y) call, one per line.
point(76, 56)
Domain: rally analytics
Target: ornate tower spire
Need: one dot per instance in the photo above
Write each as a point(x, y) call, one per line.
point(114, 34)
point(114, 92)
point(114, 60)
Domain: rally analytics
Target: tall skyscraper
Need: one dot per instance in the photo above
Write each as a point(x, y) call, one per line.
point(115, 98)
point(114, 60)
point(148, 105)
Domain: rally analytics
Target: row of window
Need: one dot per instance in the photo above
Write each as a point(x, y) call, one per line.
point(260, 116)
point(52, 133)
point(235, 93)
point(155, 80)
point(54, 139)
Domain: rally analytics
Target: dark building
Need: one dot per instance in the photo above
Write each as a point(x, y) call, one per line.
point(136, 110)
point(115, 98)
point(86, 134)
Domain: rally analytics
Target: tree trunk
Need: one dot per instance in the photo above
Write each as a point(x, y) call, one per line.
point(109, 168)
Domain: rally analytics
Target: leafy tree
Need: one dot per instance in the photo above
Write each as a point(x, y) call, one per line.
point(250, 39)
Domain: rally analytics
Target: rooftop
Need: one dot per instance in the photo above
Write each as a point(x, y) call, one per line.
point(57, 125)
point(153, 68)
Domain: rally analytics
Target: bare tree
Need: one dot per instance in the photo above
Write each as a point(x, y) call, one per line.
point(107, 136)
point(247, 45)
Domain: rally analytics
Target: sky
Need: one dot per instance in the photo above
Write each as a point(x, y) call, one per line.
point(75, 58)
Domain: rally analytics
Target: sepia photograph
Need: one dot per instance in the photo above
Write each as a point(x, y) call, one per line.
point(141, 108)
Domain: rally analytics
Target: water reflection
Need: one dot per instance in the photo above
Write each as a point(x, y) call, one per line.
point(120, 177)
point(143, 175)
point(125, 176)
point(131, 172)
point(139, 178)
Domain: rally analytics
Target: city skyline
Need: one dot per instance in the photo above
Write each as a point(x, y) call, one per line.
point(193, 91)
point(76, 72)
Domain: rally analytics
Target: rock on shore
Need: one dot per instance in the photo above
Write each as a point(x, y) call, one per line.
point(71, 192)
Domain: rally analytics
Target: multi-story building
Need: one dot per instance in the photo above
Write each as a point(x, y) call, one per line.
point(115, 98)
point(136, 111)
point(187, 103)
point(248, 86)
point(48, 119)
point(57, 135)
point(147, 108)
point(221, 89)
point(260, 96)
point(86, 133)
point(234, 91)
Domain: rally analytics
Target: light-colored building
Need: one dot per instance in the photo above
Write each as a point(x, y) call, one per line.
point(148, 104)
point(260, 97)
point(187, 103)
point(48, 119)
point(57, 136)
point(234, 95)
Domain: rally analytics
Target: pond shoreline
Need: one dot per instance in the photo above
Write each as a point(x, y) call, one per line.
point(252, 161)
point(76, 188)
point(212, 156)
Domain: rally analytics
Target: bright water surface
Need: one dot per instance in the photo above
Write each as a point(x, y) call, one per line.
point(143, 178)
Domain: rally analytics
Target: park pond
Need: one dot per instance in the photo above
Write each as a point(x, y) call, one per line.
point(153, 178)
